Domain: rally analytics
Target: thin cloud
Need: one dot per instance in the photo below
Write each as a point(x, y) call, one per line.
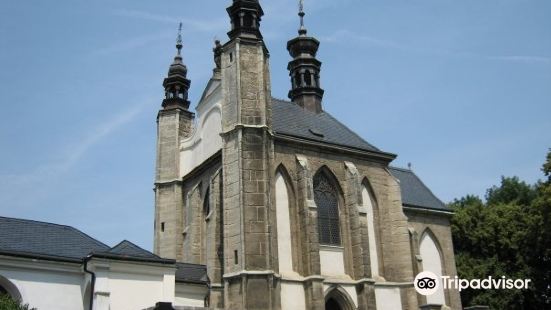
point(524, 59)
point(348, 36)
point(130, 44)
point(189, 23)
point(73, 154)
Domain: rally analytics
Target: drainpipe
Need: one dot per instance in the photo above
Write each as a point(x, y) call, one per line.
point(93, 282)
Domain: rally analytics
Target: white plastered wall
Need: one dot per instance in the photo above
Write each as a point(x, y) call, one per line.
point(332, 261)
point(373, 253)
point(284, 245)
point(205, 140)
point(130, 285)
point(388, 298)
point(432, 261)
point(292, 296)
point(46, 285)
point(190, 295)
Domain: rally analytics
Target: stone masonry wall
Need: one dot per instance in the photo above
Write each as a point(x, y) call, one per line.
point(172, 126)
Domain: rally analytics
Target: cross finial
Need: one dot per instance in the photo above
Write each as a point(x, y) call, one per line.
point(179, 44)
point(301, 13)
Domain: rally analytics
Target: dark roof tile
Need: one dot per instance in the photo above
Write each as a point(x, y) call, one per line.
point(292, 120)
point(190, 273)
point(415, 193)
point(26, 236)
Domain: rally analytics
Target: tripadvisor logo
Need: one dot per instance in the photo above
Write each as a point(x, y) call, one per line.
point(427, 283)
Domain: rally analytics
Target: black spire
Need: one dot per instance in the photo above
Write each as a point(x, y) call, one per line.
point(245, 18)
point(305, 69)
point(176, 84)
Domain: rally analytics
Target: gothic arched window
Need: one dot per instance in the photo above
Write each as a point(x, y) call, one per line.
point(327, 201)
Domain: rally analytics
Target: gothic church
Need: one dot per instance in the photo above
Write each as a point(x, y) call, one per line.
point(285, 206)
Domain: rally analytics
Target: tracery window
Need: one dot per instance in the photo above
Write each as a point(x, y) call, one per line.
point(326, 198)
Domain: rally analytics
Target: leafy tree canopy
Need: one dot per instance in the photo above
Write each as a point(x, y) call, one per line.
point(508, 235)
point(7, 303)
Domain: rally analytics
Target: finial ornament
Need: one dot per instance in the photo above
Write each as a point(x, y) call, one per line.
point(301, 13)
point(179, 44)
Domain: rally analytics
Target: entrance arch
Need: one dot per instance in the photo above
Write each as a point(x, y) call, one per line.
point(338, 299)
point(7, 287)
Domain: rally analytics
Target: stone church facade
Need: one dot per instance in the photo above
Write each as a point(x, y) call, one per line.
point(284, 205)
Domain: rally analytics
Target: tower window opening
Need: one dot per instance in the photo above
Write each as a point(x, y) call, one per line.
point(235, 257)
point(231, 57)
point(248, 21)
point(297, 80)
point(308, 78)
point(163, 227)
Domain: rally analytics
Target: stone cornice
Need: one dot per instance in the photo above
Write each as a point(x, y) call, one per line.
point(427, 210)
point(381, 157)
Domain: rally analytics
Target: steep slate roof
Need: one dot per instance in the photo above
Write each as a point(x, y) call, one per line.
point(292, 120)
point(289, 119)
point(127, 250)
point(59, 242)
point(415, 193)
point(190, 273)
point(32, 237)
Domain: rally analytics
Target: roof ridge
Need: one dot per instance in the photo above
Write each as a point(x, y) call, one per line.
point(21, 220)
point(401, 169)
point(34, 221)
point(190, 264)
point(282, 100)
point(135, 246)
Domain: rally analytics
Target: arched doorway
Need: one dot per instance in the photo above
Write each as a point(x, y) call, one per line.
point(8, 288)
point(332, 304)
point(338, 299)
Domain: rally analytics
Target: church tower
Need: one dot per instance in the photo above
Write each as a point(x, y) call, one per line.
point(305, 69)
point(174, 123)
point(250, 281)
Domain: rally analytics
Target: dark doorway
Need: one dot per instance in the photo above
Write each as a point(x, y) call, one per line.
point(3, 291)
point(332, 304)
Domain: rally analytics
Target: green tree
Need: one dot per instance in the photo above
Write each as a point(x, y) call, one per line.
point(508, 235)
point(7, 303)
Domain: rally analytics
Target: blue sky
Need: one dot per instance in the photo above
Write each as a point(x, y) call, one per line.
point(461, 89)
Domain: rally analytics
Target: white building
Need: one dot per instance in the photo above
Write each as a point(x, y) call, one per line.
point(55, 267)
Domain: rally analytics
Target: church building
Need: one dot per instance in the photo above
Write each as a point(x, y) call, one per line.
point(283, 205)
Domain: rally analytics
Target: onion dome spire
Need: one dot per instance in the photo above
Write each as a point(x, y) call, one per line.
point(176, 84)
point(304, 69)
point(245, 18)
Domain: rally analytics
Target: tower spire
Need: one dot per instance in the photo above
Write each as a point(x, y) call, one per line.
point(305, 69)
point(176, 83)
point(301, 14)
point(179, 43)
